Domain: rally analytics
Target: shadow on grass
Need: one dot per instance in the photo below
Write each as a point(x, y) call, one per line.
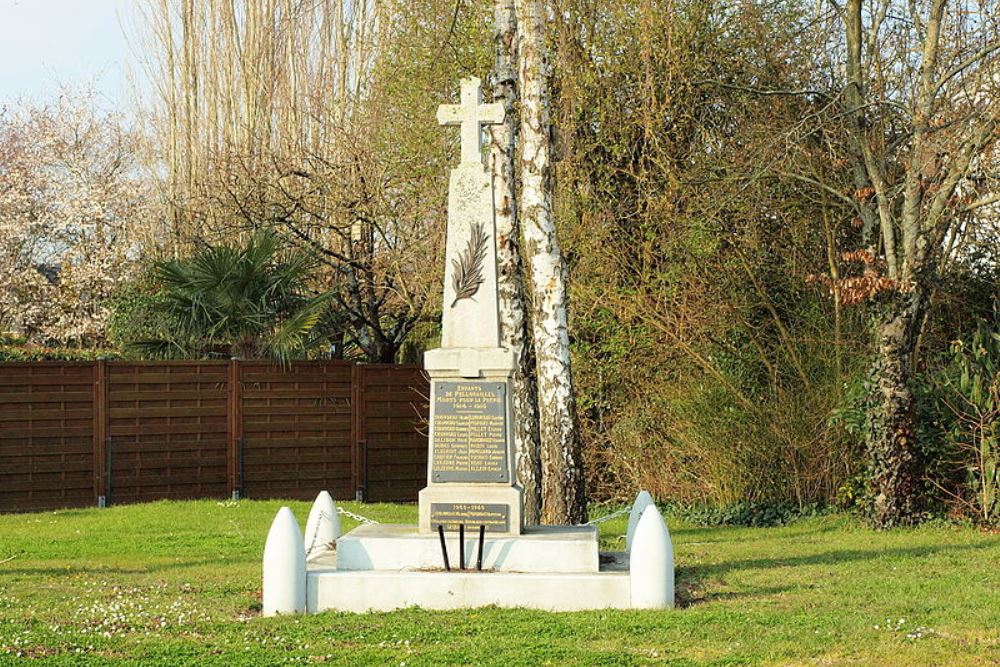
point(692, 580)
point(98, 569)
point(694, 535)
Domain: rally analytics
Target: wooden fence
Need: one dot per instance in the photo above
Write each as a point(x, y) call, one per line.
point(74, 434)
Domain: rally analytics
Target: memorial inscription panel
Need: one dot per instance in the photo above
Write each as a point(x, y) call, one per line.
point(496, 517)
point(470, 432)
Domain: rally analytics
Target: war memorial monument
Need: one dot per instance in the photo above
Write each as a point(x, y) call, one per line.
point(470, 547)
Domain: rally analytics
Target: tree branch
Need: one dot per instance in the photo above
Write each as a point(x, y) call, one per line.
point(987, 50)
point(762, 91)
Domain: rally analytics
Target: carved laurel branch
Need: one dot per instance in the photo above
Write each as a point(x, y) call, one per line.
point(468, 273)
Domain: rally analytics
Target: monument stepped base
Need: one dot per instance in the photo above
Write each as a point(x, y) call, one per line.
point(328, 578)
point(381, 590)
point(540, 549)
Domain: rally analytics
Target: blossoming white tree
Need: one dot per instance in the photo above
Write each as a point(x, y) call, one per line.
point(73, 213)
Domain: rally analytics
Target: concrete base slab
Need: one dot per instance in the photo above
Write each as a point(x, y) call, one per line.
point(362, 591)
point(540, 549)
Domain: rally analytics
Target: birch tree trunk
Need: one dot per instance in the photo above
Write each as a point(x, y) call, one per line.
point(563, 481)
point(510, 281)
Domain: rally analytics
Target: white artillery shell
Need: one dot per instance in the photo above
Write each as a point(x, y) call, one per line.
point(651, 563)
point(284, 577)
point(323, 525)
point(642, 501)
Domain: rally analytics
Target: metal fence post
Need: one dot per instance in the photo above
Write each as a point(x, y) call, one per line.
point(101, 439)
point(110, 476)
point(358, 455)
point(234, 441)
point(241, 491)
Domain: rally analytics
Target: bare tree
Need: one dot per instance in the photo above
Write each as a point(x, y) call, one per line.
point(916, 105)
point(357, 215)
point(246, 81)
point(273, 113)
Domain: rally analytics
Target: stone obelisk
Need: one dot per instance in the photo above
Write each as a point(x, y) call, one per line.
point(470, 477)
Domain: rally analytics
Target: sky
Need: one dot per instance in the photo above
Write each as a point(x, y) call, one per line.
point(48, 43)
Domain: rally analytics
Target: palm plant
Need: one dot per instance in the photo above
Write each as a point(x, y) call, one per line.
point(250, 301)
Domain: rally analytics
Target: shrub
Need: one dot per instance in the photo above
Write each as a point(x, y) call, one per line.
point(38, 353)
point(961, 427)
point(250, 300)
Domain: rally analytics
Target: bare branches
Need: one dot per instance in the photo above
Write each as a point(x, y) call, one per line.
point(985, 52)
point(810, 92)
point(985, 200)
point(248, 80)
point(282, 113)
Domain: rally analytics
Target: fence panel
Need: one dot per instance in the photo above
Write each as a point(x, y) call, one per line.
point(46, 435)
point(393, 414)
point(167, 430)
point(73, 433)
point(296, 429)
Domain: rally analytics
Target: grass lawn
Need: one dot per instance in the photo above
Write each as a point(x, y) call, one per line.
point(178, 583)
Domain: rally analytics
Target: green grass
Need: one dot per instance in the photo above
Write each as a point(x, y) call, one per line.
point(178, 583)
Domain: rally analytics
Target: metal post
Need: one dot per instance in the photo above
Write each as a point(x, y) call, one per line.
point(100, 437)
point(444, 548)
point(479, 558)
point(241, 489)
point(108, 478)
point(461, 546)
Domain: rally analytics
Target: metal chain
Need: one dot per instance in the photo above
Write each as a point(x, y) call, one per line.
point(608, 517)
point(357, 517)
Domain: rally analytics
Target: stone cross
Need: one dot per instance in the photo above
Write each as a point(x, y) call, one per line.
point(471, 115)
point(471, 317)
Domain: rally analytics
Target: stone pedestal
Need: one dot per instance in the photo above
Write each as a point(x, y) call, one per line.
point(470, 472)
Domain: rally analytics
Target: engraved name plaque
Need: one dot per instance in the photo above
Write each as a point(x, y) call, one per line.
point(496, 517)
point(470, 432)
